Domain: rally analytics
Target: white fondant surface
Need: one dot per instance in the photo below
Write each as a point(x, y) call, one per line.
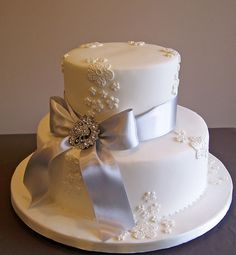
point(147, 77)
point(169, 168)
point(65, 227)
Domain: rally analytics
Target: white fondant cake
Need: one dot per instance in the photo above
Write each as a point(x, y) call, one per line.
point(119, 165)
point(169, 172)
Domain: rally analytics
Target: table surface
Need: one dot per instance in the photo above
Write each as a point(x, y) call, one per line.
point(16, 238)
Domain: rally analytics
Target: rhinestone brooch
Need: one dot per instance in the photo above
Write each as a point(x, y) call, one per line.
point(84, 133)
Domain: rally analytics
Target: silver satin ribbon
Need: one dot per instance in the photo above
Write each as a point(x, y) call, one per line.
point(99, 169)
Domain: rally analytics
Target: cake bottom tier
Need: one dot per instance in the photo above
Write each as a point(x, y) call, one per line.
point(161, 176)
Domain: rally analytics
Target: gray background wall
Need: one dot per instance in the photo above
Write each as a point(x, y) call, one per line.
point(35, 34)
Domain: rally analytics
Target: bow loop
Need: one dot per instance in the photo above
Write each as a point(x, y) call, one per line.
point(119, 132)
point(62, 117)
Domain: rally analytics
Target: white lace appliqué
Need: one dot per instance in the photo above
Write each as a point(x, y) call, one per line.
point(115, 86)
point(148, 221)
point(198, 143)
point(175, 85)
point(213, 173)
point(100, 73)
point(112, 102)
point(62, 62)
point(181, 136)
point(73, 179)
point(102, 94)
point(91, 45)
point(167, 52)
point(133, 43)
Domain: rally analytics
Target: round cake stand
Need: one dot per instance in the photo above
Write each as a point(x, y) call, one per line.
point(55, 223)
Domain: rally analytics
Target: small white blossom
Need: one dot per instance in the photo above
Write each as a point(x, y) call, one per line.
point(145, 215)
point(167, 222)
point(112, 102)
point(62, 62)
point(91, 45)
point(167, 230)
point(154, 219)
point(88, 101)
point(149, 196)
point(100, 73)
point(133, 43)
point(175, 87)
point(140, 209)
point(102, 93)
point(167, 225)
point(144, 230)
point(92, 91)
point(168, 52)
point(122, 236)
point(212, 167)
point(154, 208)
point(213, 173)
point(181, 136)
point(90, 60)
point(115, 86)
point(199, 145)
point(91, 113)
point(97, 105)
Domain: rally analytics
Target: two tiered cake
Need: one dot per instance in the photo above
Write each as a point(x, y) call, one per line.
point(117, 151)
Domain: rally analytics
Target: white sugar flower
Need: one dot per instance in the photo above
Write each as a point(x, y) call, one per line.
point(144, 230)
point(115, 86)
point(140, 209)
point(100, 73)
point(133, 43)
point(149, 196)
point(167, 230)
point(122, 236)
point(167, 222)
point(175, 87)
point(88, 101)
point(167, 225)
point(97, 105)
point(92, 91)
point(102, 93)
point(154, 208)
point(199, 145)
point(91, 45)
point(181, 136)
point(112, 102)
point(168, 52)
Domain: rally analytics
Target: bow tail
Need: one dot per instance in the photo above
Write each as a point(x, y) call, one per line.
point(36, 177)
point(105, 186)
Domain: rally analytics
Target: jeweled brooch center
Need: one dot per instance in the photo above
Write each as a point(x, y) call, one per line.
point(84, 132)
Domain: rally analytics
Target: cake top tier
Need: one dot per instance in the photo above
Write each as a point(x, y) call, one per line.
point(122, 55)
point(102, 79)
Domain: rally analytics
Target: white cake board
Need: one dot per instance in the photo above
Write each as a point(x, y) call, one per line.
point(55, 223)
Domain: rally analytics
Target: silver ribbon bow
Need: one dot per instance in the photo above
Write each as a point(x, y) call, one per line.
point(99, 169)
